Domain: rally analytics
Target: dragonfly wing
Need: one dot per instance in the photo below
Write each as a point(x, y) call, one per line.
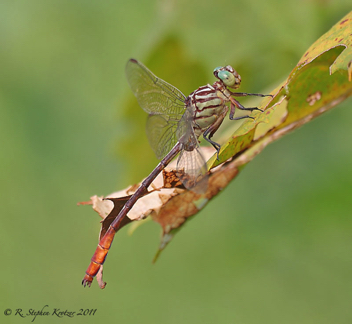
point(161, 133)
point(191, 166)
point(153, 94)
point(192, 171)
point(185, 133)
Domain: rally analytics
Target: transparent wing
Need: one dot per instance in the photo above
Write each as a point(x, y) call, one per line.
point(191, 167)
point(191, 170)
point(161, 133)
point(185, 133)
point(154, 95)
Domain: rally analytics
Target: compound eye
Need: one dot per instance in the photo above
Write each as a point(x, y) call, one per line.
point(216, 71)
point(227, 77)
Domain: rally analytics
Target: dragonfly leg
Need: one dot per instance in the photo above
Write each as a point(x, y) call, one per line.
point(208, 134)
point(251, 109)
point(241, 117)
point(243, 94)
point(215, 145)
point(234, 104)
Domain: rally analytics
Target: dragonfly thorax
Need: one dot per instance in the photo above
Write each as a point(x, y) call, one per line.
point(207, 105)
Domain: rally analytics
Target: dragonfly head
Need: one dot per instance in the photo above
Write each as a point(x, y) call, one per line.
point(229, 77)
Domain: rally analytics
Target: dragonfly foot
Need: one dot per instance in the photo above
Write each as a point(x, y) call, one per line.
point(87, 280)
point(217, 153)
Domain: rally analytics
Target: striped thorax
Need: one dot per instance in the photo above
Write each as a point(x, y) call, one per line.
point(207, 105)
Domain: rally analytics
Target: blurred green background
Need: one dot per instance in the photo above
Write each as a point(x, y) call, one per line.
point(274, 247)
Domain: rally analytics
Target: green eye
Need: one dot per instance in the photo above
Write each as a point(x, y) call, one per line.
point(227, 77)
point(217, 68)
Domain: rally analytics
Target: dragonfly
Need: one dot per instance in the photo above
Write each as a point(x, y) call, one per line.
point(174, 125)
